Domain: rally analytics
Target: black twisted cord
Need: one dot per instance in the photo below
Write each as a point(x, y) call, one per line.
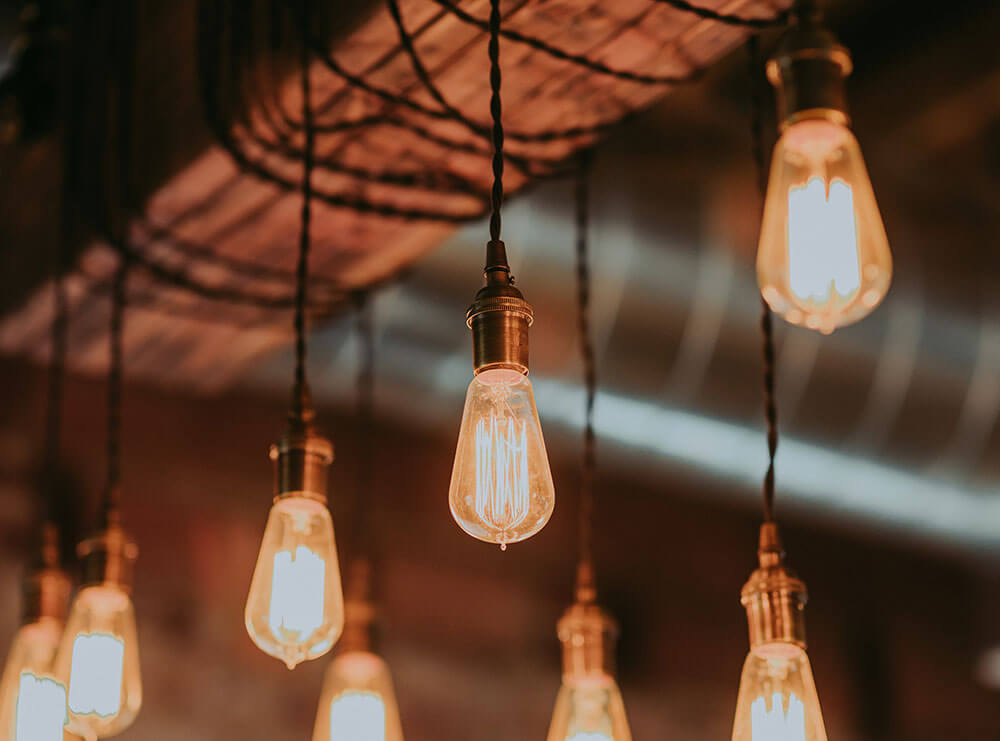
point(300, 398)
point(565, 56)
point(585, 568)
point(496, 113)
point(365, 410)
point(112, 495)
point(766, 325)
point(780, 19)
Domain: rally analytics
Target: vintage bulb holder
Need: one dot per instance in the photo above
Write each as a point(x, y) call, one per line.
point(109, 556)
point(808, 71)
point(302, 460)
point(774, 597)
point(499, 317)
point(360, 613)
point(588, 636)
point(46, 586)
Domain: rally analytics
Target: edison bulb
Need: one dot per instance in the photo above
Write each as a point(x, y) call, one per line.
point(777, 699)
point(357, 702)
point(501, 487)
point(823, 260)
point(32, 699)
point(589, 708)
point(295, 610)
point(98, 659)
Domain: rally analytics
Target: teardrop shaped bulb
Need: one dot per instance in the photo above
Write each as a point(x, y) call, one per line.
point(777, 698)
point(295, 609)
point(98, 658)
point(823, 259)
point(32, 699)
point(501, 487)
point(358, 702)
point(589, 708)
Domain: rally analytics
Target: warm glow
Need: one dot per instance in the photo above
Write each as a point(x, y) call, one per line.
point(295, 609)
point(357, 716)
point(41, 709)
point(822, 241)
point(590, 737)
point(823, 259)
point(297, 592)
point(777, 699)
point(778, 724)
point(501, 487)
point(589, 708)
point(502, 497)
point(95, 678)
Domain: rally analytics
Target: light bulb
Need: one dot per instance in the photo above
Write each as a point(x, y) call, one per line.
point(295, 610)
point(357, 702)
point(823, 260)
point(32, 699)
point(777, 699)
point(824, 257)
point(589, 708)
point(98, 656)
point(501, 487)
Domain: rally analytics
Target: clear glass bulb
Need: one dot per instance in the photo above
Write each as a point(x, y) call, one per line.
point(589, 708)
point(98, 659)
point(32, 699)
point(357, 702)
point(777, 699)
point(823, 259)
point(295, 609)
point(501, 487)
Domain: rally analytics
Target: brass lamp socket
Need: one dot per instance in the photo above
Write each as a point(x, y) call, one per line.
point(302, 462)
point(108, 557)
point(46, 587)
point(499, 317)
point(359, 610)
point(774, 597)
point(808, 71)
point(588, 636)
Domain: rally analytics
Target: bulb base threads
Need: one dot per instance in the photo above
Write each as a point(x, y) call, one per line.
point(46, 587)
point(499, 317)
point(108, 557)
point(808, 72)
point(774, 597)
point(588, 636)
point(302, 461)
point(360, 614)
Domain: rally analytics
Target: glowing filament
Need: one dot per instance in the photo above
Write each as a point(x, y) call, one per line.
point(502, 497)
point(357, 716)
point(41, 709)
point(95, 680)
point(297, 592)
point(776, 724)
point(823, 253)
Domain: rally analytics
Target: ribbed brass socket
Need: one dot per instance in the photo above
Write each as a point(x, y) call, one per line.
point(588, 636)
point(774, 597)
point(46, 595)
point(359, 610)
point(108, 558)
point(302, 462)
point(499, 318)
point(808, 72)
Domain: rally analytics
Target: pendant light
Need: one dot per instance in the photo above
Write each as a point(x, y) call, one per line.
point(501, 487)
point(295, 608)
point(32, 698)
point(589, 706)
point(777, 699)
point(358, 700)
point(823, 259)
point(98, 657)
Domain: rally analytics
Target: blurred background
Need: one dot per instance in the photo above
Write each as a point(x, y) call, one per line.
point(888, 481)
